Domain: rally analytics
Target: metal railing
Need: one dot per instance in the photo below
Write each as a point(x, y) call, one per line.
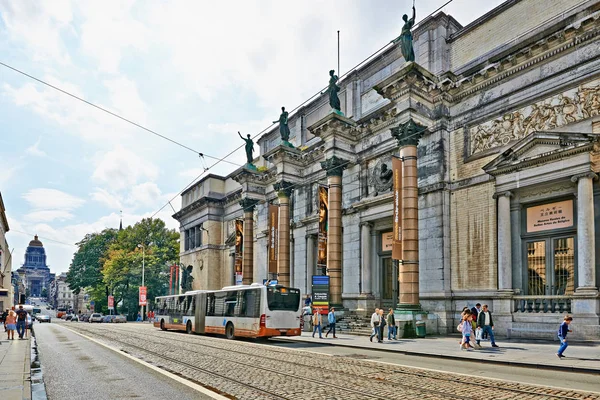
point(542, 304)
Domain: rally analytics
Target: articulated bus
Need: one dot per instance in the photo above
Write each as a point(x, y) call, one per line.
point(253, 311)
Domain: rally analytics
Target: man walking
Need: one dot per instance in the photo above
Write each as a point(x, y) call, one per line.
point(391, 321)
point(21, 321)
point(381, 325)
point(375, 320)
point(331, 320)
point(486, 323)
point(316, 320)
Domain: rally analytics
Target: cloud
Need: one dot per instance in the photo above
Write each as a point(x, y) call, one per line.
point(144, 195)
point(48, 215)
point(110, 200)
point(52, 199)
point(121, 168)
point(35, 151)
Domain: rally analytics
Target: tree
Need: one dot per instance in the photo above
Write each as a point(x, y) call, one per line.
point(86, 269)
point(44, 292)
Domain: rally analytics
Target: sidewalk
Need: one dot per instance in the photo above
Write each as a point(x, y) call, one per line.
point(580, 357)
point(15, 363)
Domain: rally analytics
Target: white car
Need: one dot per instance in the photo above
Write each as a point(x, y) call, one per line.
point(96, 317)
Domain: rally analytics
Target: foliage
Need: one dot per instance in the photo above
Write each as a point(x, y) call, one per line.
point(111, 262)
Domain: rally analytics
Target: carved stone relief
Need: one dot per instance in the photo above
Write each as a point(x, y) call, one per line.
point(571, 106)
point(380, 177)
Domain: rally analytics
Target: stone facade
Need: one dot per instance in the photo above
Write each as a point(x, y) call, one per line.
point(6, 287)
point(510, 103)
point(34, 271)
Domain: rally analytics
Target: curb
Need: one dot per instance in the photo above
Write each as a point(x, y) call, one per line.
point(36, 373)
point(451, 357)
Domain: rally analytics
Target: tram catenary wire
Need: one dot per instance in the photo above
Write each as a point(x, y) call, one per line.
point(295, 109)
point(384, 369)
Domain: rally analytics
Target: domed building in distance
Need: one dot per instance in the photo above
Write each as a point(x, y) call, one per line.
point(34, 270)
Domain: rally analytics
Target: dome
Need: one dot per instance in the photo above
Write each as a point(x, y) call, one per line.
point(35, 242)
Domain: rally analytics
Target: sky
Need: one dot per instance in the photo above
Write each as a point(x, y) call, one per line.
point(194, 71)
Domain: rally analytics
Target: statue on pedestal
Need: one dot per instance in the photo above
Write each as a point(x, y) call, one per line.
point(332, 90)
point(249, 147)
point(284, 130)
point(405, 39)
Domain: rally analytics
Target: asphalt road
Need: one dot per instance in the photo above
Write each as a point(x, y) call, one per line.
point(76, 368)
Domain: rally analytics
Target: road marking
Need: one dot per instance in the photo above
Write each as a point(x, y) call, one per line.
point(181, 380)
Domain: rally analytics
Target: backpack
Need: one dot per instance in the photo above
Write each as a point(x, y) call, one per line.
point(459, 327)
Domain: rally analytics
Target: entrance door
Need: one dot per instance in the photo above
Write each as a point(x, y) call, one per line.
point(389, 283)
point(551, 266)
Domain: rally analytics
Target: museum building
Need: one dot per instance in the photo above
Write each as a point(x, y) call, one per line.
point(502, 117)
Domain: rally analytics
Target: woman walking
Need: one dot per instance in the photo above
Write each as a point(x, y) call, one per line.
point(11, 325)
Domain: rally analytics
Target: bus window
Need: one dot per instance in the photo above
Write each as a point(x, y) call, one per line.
point(191, 304)
point(210, 304)
point(230, 303)
point(283, 299)
point(251, 304)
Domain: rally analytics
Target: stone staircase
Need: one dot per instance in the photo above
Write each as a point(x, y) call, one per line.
point(354, 323)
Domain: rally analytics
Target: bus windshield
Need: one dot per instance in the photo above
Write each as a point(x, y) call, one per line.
point(283, 299)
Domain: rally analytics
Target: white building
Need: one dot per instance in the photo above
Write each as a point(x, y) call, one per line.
point(6, 292)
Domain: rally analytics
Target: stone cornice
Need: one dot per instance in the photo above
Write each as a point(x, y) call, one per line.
point(245, 175)
point(412, 77)
point(591, 175)
point(200, 203)
point(334, 124)
point(284, 154)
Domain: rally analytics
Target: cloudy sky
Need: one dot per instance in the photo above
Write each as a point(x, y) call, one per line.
point(195, 71)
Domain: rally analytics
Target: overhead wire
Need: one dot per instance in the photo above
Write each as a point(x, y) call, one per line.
point(113, 114)
point(44, 238)
point(369, 58)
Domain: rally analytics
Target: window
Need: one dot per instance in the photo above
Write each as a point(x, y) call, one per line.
point(193, 237)
point(283, 299)
point(186, 239)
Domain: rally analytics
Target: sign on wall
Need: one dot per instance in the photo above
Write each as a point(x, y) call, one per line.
point(387, 241)
point(397, 190)
point(323, 228)
point(273, 234)
point(320, 293)
point(550, 216)
point(239, 247)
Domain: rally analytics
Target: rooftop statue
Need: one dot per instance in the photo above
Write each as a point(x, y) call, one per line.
point(405, 39)
point(284, 130)
point(333, 89)
point(249, 148)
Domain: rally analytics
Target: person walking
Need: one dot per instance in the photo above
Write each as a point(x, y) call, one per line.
point(467, 329)
point(331, 320)
point(317, 320)
point(382, 324)
point(391, 322)
point(11, 324)
point(375, 320)
point(21, 321)
point(563, 330)
point(486, 323)
point(4, 315)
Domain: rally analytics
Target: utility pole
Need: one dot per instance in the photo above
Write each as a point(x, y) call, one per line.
point(143, 273)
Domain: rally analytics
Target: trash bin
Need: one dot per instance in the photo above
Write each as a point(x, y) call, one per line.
point(307, 323)
point(421, 329)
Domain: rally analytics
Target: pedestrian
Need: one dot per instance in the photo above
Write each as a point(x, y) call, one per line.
point(563, 330)
point(21, 321)
point(382, 324)
point(331, 320)
point(391, 322)
point(4, 315)
point(307, 301)
point(466, 328)
point(11, 324)
point(139, 317)
point(475, 311)
point(375, 320)
point(316, 320)
point(486, 323)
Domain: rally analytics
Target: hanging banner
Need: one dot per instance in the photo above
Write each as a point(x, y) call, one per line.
point(320, 293)
point(273, 235)
point(397, 239)
point(323, 228)
point(239, 247)
point(143, 292)
point(111, 302)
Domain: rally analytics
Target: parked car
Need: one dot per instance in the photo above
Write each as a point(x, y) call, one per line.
point(74, 318)
point(63, 317)
point(96, 317)
point(120, 319)
point(109, 318)
point(69, 317)
point(44, 318)
point(84, 318)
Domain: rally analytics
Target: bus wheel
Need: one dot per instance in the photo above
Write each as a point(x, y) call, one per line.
point(162, 325)
point(188, 328)
point(229, 331)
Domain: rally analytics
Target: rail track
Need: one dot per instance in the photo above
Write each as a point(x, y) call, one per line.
point(290, 374)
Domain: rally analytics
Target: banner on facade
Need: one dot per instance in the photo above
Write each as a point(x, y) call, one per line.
point(550, 216)
point(273, 236)
point(239, 245)
point(143, 292)
point(320, 293)
point(323, 228)
point(397, 188)
point(111, 302)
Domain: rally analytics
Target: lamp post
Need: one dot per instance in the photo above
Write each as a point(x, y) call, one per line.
point(143, 273)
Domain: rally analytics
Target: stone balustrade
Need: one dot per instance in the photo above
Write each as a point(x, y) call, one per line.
point(542, 304)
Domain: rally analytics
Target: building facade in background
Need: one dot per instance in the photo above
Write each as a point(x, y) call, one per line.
point(507, 163)
point(61, 295)
point(34, 271)
point(6, 287)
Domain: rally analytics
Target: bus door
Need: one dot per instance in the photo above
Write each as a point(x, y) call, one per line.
point(200, 312)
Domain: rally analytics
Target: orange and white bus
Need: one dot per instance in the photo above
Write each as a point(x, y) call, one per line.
point(254, 311)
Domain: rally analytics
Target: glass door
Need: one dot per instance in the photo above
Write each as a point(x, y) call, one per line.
point(389, 283)
point(551, 266)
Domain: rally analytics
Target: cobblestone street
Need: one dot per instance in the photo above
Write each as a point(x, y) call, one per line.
point(244, 369)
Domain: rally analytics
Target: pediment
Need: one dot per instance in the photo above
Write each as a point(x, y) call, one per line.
point(541, 147)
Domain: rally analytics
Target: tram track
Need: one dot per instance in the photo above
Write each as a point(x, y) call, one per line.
point(420, 383)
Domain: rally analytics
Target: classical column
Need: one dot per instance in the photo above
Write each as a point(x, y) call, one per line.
point(311, 268)
point(586, 253)
point(504, 242)
point(365, 242)
point(408, 135)
point(248, 258)
point(284, 191)
point(334, 167)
